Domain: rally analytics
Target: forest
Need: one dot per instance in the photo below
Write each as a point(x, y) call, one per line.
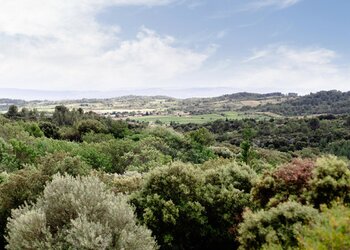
point(323, 102)
point(75, 179)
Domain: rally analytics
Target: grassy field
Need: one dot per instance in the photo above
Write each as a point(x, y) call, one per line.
point(199, 119)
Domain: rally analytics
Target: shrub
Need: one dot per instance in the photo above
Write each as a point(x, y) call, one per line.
point(127, 183)
point(33, 129)
point(50, 130)
point(331, 231)
point(277, 226)
point(190, 208)
point(22, 186)
point(331, 181)
point(289, 181)
point(225, 194)
point(62, 163)
point(93, 137)
point(202, 136)
point(91, 125)
point(69, 134)
point(339, 148)
point(77, 213)
point(168, 205)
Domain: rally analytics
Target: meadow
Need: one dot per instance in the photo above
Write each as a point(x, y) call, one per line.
point(199, 119)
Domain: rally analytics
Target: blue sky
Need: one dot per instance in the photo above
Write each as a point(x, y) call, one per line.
point(251, 45)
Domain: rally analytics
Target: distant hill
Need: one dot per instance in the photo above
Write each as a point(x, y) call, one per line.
point(324, 102)
point(249, 96)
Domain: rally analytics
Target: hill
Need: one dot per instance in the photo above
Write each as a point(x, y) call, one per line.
point(324, 102)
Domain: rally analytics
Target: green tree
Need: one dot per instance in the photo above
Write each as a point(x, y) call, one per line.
point(50, 130)
point(246, 145)
point(202, 136)
point(12, 112)
point(90, 125)
point(314, 124)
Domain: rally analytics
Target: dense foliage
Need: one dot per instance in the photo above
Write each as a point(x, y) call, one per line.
point(276, 226)
point(208, 203)
point(77, 214)
point(330, 231)
point(324, 102)
point(78, 180)
point(329, 134)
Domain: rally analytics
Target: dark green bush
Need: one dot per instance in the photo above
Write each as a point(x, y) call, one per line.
point(189, 208)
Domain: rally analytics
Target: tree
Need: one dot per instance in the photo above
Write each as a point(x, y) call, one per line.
point(50, 130)
point(347, 122)
point(90, 125)
point(77, 213)
point(314, 124)
point(202, 136)
point(12, 112)
point(246, 145)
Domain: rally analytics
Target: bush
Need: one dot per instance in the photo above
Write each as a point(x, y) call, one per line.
point(33, 129)
point(277, 226)
point(27, 184)
point(50, 130)
point(69, 134)
point(202, 136)
point(331, 181)
point(62, 163)
point(91, 125)
point(225, 194)
point(290, 181)
point(206, 205)
point(127, 183)
point(22, 186)
point(77, 213)
point(93, 137)
point(331, 231)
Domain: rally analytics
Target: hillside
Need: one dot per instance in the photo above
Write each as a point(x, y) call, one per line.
point(324, 102)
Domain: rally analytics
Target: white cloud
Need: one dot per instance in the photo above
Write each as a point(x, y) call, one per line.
point(280, 4)
point(58, 44)
point(287, 69)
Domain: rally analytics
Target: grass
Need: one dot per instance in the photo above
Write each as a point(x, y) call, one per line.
point(199, 119)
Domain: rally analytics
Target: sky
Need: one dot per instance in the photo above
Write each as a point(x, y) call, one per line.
point(242, 45)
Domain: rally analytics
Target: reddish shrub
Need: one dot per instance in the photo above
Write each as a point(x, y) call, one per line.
point(290, 181)
point(295, 175)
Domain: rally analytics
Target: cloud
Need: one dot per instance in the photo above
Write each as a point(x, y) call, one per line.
point(288, 69)
point(58, 44)
point(279, 4)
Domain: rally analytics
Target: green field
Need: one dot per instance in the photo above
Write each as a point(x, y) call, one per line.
point(199, 119)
